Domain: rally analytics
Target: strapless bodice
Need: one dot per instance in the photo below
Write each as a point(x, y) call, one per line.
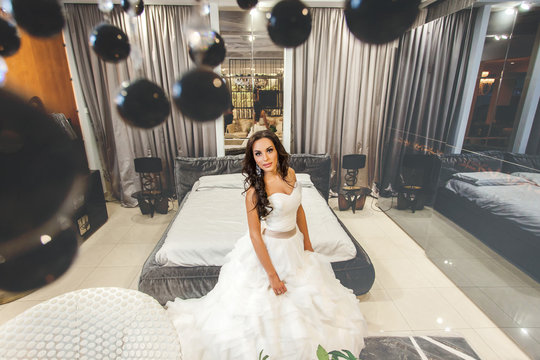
point(283, 215)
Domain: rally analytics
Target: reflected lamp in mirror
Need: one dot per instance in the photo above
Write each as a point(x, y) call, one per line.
point(352, 163)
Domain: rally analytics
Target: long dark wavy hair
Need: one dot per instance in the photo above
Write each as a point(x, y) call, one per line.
point(257, 181)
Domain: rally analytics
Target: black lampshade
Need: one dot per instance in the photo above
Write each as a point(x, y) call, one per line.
point(354, 161)
point(148, 165)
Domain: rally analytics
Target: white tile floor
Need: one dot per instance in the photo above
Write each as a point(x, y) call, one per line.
point(411, 296)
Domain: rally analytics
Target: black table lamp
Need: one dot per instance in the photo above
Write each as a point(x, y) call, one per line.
point(352, 163)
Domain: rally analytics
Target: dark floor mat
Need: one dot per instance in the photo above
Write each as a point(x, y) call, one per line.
point(417, 348)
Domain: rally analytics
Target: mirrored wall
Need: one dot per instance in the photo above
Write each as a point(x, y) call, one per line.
point(474, 206)
point(253, 70)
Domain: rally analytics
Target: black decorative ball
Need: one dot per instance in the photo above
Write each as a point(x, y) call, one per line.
point(380, 21)
point(10, 42)
point(137, 9)
point(201, 95)
point(110, 43)
point(41, 178)
point(209, 49)
point(247, 4)
point(289, 24)
point(143, 104)
point(41, 18)
point(44, 260)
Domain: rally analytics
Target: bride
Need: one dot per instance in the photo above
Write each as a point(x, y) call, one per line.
point(274, 293)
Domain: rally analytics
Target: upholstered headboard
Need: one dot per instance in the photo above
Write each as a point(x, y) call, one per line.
point(188, 170)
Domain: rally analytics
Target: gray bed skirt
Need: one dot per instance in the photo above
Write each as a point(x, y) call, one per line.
point(165, 283)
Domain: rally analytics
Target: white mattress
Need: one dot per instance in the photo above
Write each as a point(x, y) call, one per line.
point(213, 217)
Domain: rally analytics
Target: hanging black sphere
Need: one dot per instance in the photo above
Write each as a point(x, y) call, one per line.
point(380, 21)
point(289, 24)
point(247, 4)
point(110, 43)
point(40, 165)
point(42, 18)
point(201, 95)
point(209, 49)
point(41, 177)
point(46, 258)
point(137, 9)
point(10, 42)
point(143, 104)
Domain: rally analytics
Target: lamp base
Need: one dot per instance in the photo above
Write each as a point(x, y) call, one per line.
point(411, 197)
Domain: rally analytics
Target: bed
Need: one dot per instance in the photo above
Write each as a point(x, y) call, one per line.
point(193, 268)
point(496, 197)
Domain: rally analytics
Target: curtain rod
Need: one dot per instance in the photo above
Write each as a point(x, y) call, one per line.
point(231, 4)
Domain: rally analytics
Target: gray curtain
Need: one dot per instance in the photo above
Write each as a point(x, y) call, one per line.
point(160, 33)
point(427, 91)
point(340, 87)
point(447, 7)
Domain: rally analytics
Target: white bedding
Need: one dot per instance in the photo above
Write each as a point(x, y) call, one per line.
point(213, 217)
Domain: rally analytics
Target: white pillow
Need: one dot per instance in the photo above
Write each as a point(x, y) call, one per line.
point(490, 178)
point(304, 180)
point(223, 181)
point(532, 177)
point(236, 181)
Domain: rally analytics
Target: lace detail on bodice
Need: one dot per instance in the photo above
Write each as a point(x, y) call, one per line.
point(283, 215)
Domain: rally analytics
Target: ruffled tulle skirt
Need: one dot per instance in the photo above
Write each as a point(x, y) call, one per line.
point(242, 316)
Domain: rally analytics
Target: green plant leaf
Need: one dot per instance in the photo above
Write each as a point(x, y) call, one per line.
point(322, 354)
point(338, 354)
point(350, 354)
point(265, 357)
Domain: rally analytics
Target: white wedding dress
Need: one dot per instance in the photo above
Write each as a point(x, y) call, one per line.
point(242, 316)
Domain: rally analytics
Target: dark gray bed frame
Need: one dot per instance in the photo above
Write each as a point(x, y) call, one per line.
point(165, 283)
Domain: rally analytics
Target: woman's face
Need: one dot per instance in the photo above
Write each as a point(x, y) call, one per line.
point(265, 154)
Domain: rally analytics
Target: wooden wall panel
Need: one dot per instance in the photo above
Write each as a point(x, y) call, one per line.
point(40, 68)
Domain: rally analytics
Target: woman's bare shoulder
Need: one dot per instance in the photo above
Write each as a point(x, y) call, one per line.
point(291, 175)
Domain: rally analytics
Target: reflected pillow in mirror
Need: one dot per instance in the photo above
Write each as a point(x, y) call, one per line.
point(490, 178)
point(532, 177)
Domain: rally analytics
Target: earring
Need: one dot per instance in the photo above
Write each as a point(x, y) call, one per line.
point(258, 170)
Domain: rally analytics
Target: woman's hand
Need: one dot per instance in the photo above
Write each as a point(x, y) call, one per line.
point(277, 285)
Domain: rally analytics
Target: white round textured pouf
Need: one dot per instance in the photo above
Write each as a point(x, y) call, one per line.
point(93, 324)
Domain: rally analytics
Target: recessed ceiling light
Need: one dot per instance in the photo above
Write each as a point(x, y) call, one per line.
point(45, 239)
point(525, 6)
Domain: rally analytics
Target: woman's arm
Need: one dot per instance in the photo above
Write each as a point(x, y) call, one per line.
point(263, 114)
point(258, 244)
point(301, 218)
point(302, 225)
